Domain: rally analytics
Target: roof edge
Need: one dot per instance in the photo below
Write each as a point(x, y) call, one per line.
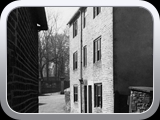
point(76, 14)
point(41, 18)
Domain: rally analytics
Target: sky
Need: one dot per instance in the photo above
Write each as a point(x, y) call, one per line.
point(65, 14)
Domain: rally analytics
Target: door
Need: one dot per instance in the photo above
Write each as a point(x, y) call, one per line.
point(85, 98)
point(90, 98)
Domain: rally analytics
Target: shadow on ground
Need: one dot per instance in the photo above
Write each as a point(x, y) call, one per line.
point(48, 93)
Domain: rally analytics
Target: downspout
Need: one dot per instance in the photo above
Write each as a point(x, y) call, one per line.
point(81, 76)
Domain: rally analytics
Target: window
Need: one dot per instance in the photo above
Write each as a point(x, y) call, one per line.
point(97, 49)
point(75, 28)
point(98, 95)
point(84, 18)
point(85, 56)
point(75, 60)
point(75, 92)
point(96, 11)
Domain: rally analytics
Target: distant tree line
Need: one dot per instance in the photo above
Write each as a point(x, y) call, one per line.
point(53, 51)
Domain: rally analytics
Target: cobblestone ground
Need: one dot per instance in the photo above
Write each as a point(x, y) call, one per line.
point(52, 103)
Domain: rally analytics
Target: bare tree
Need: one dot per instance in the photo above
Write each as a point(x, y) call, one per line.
point(53, 48)
point(44, 47)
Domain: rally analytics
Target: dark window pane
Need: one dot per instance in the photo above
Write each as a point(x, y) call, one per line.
point(98, 95)
point(75, 97)
point(94, 52)
point(84, 19)
point(95, 96)
point(76, 60)
point(100, 49)
point(83, 56)
point(97, 11)
point(98, 55)
point(98, 101)
point(93, 12)
point(98, 44)
point(76, 65)
point(75, 28)
point(86, 56)
point(99, 90)
point(75, 92)
point(73, 61)
point(97, 49)
point(101, 95)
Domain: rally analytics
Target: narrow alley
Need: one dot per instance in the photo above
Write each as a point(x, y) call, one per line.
point(52, 103)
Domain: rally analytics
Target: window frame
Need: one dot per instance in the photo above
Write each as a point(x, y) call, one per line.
point(75, 93)
point(75, 28)
point(97, 49)
point(84, 17)
point(75, 60)
point(98, 96)
point(96, 11)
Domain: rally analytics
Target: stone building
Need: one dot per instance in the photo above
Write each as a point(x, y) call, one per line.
point(23, 25)
point(94, 36)
point(111, 49)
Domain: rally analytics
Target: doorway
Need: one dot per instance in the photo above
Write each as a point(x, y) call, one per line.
point(85, 98)
point(90, 98)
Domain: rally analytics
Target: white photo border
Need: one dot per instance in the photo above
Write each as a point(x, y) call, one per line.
point(74, 3)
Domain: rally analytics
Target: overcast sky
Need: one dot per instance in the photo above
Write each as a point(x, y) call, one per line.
point(65, 14)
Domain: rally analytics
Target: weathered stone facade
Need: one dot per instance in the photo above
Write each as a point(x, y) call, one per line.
point(99, 72)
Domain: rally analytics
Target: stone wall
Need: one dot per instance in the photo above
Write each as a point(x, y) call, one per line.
point(74, 74)
point(67, 100)
point(102, 71)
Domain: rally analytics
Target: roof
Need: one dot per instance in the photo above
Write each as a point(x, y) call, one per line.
point(40, 15)
point(77, 13)
point(141, 88)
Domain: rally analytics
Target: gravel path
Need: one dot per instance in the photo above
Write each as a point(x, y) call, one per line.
point(52, 103)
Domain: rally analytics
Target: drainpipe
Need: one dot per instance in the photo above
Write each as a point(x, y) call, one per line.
point(81, 45)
